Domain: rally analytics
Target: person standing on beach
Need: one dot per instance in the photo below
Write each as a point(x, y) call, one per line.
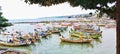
point(10, 38)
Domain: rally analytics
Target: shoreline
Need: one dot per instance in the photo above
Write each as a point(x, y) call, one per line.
point(44, 22)
point(6, 51)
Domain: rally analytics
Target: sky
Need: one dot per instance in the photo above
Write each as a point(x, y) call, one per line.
point(18, 9)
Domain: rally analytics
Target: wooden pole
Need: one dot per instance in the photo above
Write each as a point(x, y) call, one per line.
point(118, 26)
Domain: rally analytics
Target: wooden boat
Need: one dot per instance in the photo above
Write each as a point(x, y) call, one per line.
point(110, 26)
point(48, 33)
point(66, 24)
point(88, 29)
point(9, 33)
point(14, 44)
point(101, 25)
point(76, 32)
point(96, 35)
point(93, 31)
point(56, 31)
point(44, 35)
point(75, 35)
point(76, 41)
point(37, 37)
point(77, 27)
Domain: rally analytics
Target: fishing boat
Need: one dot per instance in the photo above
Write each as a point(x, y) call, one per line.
point(92, 34)
point(75, 35)
point(93, 31)
point(110, 25)
point(101, 25)
point(43, 35)
point(37, 38)
point(63, 28)
point(88, 29)
point(96, 35)
point(56, 31)
point(66, 24)
point(48, 33)
point(76, 41)
point(5, 33)
point(4, 43)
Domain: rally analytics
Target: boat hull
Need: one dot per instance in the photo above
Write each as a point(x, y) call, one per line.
point(76, 41)
point(14, 44)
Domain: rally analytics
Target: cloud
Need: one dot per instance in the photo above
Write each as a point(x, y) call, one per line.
point(18, 9)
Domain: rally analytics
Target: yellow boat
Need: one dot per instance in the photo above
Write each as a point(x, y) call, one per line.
point(101, 25)
point(56, 31)
point(76, 41)
point(14, 44)
point(49, 33)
